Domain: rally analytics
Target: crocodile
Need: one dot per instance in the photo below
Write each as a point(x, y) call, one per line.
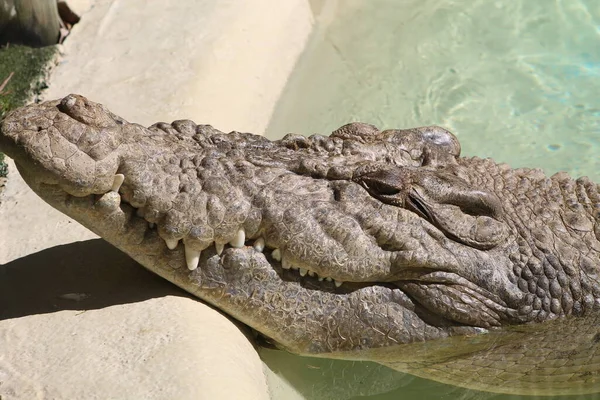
point(366, 244)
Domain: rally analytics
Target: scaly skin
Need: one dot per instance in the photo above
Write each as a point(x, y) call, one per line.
point(415, 243)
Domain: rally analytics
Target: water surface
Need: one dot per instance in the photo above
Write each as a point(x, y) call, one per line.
point(515, 80)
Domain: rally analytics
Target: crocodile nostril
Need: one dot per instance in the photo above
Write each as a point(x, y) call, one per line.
point(337, 195)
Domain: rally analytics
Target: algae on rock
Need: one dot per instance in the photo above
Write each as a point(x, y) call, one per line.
point(23, 75)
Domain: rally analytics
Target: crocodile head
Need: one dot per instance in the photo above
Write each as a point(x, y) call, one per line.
point(361, 240)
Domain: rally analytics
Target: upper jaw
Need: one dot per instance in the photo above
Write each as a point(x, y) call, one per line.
point(77, 145)
point(320, 228)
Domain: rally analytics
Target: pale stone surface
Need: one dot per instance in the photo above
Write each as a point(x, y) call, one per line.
point(223, 62)
point(145, 350)
point(84, 321)
point(80, 319)
point(80, 7)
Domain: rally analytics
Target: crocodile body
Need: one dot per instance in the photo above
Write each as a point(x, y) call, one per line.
point(367, 244)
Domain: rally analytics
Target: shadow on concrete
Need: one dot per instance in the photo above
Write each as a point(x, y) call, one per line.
point(77, 276)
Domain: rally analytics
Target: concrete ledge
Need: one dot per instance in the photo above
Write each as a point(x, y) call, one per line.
point(223, 62)
point(84, 321)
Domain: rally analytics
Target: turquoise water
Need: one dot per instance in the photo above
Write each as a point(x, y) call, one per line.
point(515, 80)
point(518, 81)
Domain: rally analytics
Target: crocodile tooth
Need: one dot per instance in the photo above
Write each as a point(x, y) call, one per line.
point(172, 243)
point(219, 247)
point(302, 271)
point(238, 239)
point(311, 273)
point(276, 254)
point(285, 264)
point(329, 279)
point(119, 179)
point(337, 283)
point(259, 244)
point(192, 257)
point(321, 279)
point(109, 201)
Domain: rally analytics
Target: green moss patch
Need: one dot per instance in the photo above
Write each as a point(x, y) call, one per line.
point(29, 68)
point(23, 74)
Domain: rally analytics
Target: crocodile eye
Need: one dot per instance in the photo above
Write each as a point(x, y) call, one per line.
point(384, 188)
point(379, 187)
point(389, 186)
